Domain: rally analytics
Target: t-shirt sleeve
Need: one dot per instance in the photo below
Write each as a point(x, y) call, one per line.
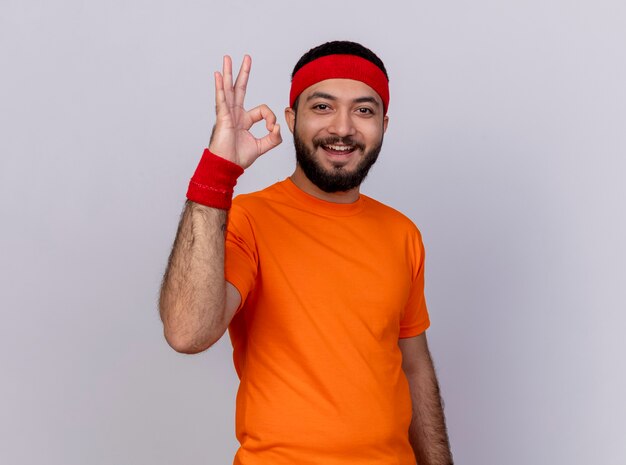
point(241, 257)
point(415, 319)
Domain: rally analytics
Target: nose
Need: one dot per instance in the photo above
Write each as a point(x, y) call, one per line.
point(342, 124)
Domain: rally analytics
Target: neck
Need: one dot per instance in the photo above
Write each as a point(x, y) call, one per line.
point(299, 179)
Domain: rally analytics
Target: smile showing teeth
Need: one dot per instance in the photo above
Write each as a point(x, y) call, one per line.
point(340, 148)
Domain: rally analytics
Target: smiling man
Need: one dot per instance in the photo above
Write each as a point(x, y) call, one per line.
point(320, 287)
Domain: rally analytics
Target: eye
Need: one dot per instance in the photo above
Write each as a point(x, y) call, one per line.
point(365, 111)
point(321, 106)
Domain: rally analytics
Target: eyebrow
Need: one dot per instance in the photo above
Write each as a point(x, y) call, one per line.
point(366, 100)
point(321, 95)
point(326, 96)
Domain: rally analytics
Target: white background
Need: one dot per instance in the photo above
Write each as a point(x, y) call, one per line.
point(506, 146)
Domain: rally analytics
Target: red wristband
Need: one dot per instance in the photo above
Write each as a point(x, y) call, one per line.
point(214, 181)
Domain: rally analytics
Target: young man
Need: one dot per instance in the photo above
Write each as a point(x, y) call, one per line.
point(320, 287)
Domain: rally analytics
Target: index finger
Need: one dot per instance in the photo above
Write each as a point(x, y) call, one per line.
point(242, 80)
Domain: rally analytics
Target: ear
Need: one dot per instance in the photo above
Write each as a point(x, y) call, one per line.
point(385, 123)
point(290, 117)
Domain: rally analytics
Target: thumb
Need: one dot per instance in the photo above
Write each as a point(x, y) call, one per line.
point(270, 141)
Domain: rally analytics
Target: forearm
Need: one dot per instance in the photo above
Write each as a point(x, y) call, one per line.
point(427, 432)
point(196, 303)
point(192, 299)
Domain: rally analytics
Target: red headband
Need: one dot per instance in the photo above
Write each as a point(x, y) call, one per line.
point(340, 67)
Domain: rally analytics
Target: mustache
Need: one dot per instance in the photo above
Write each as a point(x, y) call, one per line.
point(338, 140)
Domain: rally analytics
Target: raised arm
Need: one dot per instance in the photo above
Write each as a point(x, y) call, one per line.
point(196, 304)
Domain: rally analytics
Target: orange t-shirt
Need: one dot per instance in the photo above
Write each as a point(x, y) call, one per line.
point(327, 289)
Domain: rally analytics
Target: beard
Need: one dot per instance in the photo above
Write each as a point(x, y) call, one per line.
point(336, 179)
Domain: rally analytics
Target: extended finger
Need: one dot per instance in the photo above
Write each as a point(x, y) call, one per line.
point(241, 83)
point(221, 107)
point(227, 70)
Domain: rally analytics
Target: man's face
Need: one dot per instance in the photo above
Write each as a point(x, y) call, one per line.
point(338, 132)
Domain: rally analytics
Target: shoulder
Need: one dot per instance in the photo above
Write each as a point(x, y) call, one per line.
point(259, 199)
point(391, 216)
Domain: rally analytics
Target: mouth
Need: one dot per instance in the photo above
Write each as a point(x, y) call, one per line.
point(339, 149)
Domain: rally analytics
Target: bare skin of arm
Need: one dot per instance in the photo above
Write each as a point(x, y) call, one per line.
point(427, 433)
point(196, 303)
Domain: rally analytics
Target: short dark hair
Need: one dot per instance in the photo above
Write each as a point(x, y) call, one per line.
point(337, 47)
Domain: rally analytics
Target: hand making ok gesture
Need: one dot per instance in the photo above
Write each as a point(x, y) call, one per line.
point(231, 138)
